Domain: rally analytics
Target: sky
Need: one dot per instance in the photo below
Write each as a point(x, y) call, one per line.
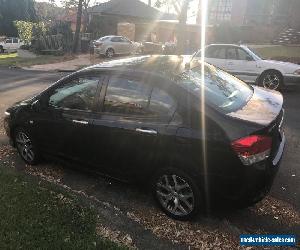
point(191, 14)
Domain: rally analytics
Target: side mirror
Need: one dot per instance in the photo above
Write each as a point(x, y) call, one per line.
point(249, 58)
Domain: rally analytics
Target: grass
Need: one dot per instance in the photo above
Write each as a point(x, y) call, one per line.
point(13, 60)
point(277, 52)
point(39, 216)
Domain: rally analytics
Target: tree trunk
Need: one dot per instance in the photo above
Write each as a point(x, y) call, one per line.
point(181, 39)
point(78, 27)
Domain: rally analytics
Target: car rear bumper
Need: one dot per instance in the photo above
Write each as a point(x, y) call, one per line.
point(291, 79)
point(255, 182)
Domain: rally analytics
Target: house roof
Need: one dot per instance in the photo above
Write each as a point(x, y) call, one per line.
point(133, 8)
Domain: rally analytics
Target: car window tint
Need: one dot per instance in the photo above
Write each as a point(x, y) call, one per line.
point(210, 52)
point(231, 54)
point(15, 40)
point(77, 94)
point(116, 39)
point(221, 53)
point(125, 96)
point(161, 103)
point(242, 54)
point(221, 90)
point(8, 41)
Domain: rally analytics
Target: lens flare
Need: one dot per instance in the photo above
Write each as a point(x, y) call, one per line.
point(203, 124)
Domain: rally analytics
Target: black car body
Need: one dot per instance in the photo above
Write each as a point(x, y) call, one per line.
point(150, 120)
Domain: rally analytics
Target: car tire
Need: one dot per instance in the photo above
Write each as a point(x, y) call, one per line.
point(26, 146)
point(1, 50)
point(110, 53)
point(177, 194)
point(271, 79)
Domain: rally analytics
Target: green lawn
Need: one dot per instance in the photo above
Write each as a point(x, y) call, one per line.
point(40, 216)
point(13, 60)
point(279, 52)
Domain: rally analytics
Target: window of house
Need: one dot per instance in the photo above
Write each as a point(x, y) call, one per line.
point(77, 94)
point(221, 10)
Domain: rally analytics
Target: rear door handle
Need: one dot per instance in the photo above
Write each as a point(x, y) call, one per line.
point(80, 122)
point(146, 131)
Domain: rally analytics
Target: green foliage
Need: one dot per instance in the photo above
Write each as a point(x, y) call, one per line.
point(12, 10)
point(40, 216)
point(29, 30)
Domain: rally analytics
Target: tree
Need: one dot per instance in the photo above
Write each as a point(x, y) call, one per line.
point(78, 27)
point(74, 4)
point(12, 10)
point(181, 8)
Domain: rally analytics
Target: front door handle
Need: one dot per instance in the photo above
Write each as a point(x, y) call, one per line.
point(80, 122)
point(146, 131)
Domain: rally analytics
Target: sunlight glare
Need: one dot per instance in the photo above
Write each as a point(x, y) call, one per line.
point(203, 125)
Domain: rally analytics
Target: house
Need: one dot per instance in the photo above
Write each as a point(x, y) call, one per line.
point(255, 12)
point(132, 11)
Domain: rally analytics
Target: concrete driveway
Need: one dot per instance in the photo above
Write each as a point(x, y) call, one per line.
point(132, 211)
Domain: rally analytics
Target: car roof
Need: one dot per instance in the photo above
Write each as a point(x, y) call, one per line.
point(228, 45)
point(164, 65)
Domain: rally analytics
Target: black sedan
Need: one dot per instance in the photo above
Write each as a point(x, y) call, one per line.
point(192, 133)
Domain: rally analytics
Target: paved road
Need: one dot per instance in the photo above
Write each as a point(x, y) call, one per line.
point(274, 215)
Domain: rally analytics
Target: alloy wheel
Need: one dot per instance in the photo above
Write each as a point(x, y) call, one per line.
point(25, 147)
point(175, 195)
point(271, 81)
point(109, 53)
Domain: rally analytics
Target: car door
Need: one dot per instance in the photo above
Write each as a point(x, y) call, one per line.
point(132, 129)
point(66, 112)
point(216, 55)
point(117, 45)
point(127, 46)
point(241, 64)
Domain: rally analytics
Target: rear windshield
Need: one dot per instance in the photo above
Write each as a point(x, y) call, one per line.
point(222, 90)
point(103, 38)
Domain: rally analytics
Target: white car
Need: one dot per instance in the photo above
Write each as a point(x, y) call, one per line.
point(112, 45)
point(11, 44)
point(245, 64)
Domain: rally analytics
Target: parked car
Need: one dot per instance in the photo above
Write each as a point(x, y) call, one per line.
point(248, 66)
point(151, 48)
point(11, 44)
point(115, 45)
point(143, 119)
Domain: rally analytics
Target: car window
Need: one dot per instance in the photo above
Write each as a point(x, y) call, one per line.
point(116, 39)
point(221, 90)
point(215, 52)
point(231, 54)
point(124, 40)
point(221, 53)
point(103, 38)
point(15, 40)
point(161, 103)
point(125, 96)
point(8, 41)
point(77, 94)
point(242, 55)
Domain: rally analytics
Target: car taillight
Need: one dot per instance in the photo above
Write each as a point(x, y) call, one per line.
point(252, 149)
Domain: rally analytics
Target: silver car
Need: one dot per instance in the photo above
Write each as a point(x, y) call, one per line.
point(112, 45)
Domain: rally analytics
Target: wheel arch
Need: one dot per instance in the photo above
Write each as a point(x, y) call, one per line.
point(269, 70)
